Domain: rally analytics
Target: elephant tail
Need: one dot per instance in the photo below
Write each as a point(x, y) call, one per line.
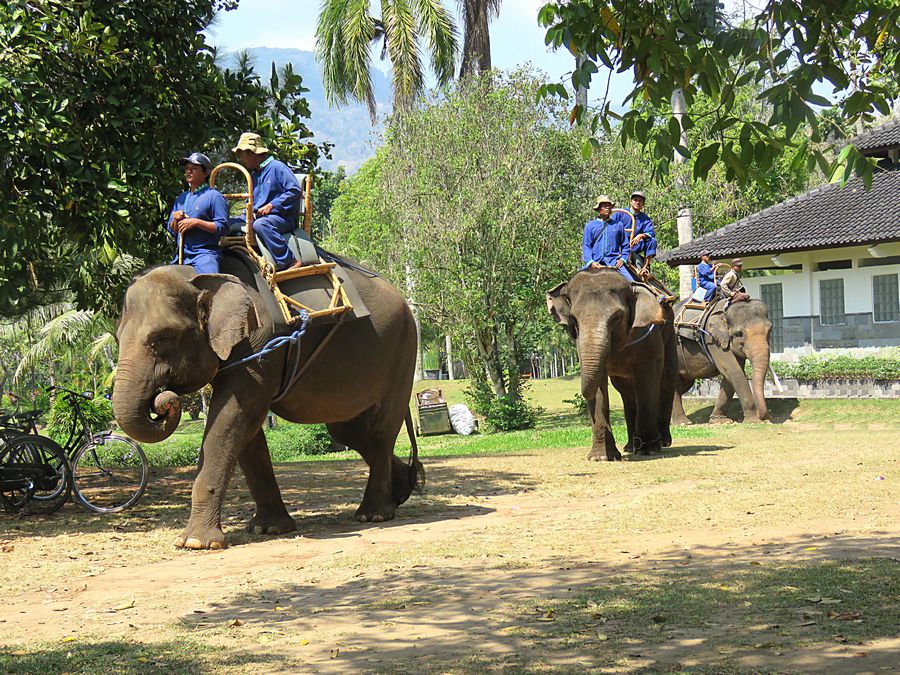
point(416, 470)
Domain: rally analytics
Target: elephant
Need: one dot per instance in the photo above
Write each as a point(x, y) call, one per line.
point(623, 331)
point(177, 330)
point(736, 332)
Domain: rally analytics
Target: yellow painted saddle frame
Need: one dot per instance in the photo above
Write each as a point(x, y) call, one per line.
point(339, 303)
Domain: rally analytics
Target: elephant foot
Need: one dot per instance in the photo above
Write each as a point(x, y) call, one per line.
point(375, 511)
point(666, 439)
point(629, 447)
point(604, 455)
point(719, 418)
point(201, 538)
point(280, 523)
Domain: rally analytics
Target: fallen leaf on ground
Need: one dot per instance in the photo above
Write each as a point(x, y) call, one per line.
point(235, 623)
point(335, 653)
point(842, 616)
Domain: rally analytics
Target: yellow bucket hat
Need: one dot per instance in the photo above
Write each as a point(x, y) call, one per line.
point(251, 141)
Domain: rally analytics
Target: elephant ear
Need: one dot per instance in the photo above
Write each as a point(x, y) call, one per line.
point(647, 309)
point(559, 308)
point(717, 326)
point(225, 311)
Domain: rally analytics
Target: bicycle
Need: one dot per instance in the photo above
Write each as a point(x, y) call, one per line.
point(109, 471)
point(35, 477)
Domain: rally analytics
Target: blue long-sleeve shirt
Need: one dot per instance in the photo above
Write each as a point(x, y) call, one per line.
point(705, 276)
point(206, 204)
point(604, 242)
point(643, 224)
point(274, 183)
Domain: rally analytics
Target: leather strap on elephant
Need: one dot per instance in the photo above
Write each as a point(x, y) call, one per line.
point(642, 337)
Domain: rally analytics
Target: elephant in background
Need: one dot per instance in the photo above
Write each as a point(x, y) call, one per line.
point(624, 333)
point(179, 328)
point(738, 332)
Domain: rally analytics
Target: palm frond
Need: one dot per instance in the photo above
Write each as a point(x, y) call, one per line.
point(441, 37)
point(403, 50)
point(344, 33)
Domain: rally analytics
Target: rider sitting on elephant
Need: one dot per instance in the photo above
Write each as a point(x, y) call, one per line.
point(276, 188)
point(706, 276)
point(643, 241)
point(731, 285)
point(605, 242)
point(200, 216)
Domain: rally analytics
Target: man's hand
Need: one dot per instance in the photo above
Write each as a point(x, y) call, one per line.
point(177, 216)
point(596, 266)
point(185, 224)
point(264, 210)
point(619, 263)
point(639, 237)
point(644, 272)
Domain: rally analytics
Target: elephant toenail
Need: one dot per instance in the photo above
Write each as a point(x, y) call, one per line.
point(258, 529)
point(216, 545)
point(193, 543)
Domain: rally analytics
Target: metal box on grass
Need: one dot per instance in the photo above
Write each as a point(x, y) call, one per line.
point(433, 415)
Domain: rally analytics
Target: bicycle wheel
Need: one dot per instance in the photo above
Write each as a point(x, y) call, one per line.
point(53, 480)
point(109, 473)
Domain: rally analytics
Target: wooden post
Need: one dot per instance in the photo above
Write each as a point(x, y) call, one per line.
point(307, 205)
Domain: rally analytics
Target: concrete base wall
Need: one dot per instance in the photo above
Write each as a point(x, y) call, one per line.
point(821, 389)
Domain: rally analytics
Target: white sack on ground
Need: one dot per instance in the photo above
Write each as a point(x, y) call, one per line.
point(461, 419)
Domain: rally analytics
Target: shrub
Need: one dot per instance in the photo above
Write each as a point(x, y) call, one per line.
point(287, 441)
point(98, 413)
point(841, 367)
point(510, 413)
point(579, 402)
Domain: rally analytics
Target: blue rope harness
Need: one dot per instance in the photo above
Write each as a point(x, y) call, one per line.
point(288, 377)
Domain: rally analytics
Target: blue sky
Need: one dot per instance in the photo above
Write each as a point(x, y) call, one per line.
point(516, 38)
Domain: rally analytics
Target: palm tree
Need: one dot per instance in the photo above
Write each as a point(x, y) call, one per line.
point(477, 15)
point(346, 31)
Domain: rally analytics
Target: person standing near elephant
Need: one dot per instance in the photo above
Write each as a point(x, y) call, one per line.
point(277, 191)
point(605, 241)
point(643, 240)
point(199, 216)
point(706, 276)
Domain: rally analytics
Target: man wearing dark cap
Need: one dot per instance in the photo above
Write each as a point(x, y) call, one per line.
point(731, 285)
point(199, 216)
point(643, 240)
point(605, 242)
point(706, 278)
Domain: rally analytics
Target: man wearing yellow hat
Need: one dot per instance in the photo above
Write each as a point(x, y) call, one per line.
point(276, 198)
point(605, 242)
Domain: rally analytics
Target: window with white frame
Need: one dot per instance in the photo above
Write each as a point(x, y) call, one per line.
point(831, 301)
point(886, 297)
point(772, 295)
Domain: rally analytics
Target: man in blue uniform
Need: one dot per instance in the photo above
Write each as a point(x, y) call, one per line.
point(706, 276)
point(276, 198)
point(200, 216)
point(605, 242)
point(643, 241)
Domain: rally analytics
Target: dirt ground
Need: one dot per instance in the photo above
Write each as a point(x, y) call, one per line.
point(761, 548)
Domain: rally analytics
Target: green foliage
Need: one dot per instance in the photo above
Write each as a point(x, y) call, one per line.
point(841, 367)
point(511, 413)
point(689, 45)
point(98, 413)
point(101, 99)
point(579, 402)
point(325, 190)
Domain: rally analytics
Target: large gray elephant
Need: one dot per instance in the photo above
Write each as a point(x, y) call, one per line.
point(623, 332)
point(177, 330)
point(733, 334)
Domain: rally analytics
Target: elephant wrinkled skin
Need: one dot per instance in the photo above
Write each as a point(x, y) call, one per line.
point(624, 333)
point(737, 333)
point(178, 328)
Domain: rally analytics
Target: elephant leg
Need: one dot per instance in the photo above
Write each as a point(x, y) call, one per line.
point(645, 392)
point(733, 374)
point(234, 420)
point(603, 448)
point(623, 386)
point(678, 414)
point(271, 515)
point(390, 480)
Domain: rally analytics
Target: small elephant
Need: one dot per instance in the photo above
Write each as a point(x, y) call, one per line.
point(623, 331)
point(736, 332)
point(178, 329)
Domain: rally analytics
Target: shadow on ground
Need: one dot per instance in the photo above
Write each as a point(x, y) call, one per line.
point(780, 410)
point(716, 609)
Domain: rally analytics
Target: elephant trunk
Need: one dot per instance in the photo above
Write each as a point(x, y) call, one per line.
point(593, 351)
point(142, 412)
point(759, 359)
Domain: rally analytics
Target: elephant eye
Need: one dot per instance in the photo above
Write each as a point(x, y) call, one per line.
point(160, 341)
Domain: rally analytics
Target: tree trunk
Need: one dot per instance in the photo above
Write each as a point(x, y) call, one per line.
point(448, 347)
point(685, 216)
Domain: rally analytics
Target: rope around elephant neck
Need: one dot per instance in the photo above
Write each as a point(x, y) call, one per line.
point(273, 344)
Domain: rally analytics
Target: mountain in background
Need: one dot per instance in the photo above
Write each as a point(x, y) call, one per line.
point(348, 127)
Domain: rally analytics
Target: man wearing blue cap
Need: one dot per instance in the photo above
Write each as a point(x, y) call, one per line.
point(643, 240)
point(276, 198)
point(706, 276)
point(199, 216)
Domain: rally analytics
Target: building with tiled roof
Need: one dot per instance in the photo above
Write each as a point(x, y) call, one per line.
point(826, 262)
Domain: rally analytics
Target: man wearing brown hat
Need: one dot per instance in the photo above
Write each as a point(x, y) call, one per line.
point(605, 242)
point(731, 285)
point(276, 198)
